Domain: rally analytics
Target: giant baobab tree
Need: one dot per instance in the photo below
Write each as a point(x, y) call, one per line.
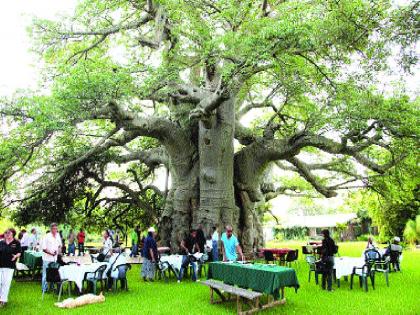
point(219, 93)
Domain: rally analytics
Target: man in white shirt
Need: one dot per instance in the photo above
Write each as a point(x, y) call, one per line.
point(51, 246)
point(107, 244)
point(24, 242)
point(33, 239)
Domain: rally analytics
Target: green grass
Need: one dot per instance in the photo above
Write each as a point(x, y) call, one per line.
point(402, 297)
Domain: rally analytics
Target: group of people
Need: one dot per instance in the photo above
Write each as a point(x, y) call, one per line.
point(52, 246)
point(71, 242)
point(193, 244)
point(329, 249)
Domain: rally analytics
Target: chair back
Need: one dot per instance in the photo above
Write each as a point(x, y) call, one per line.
point(122, 270)
point(307, 250)
point(268, 256)
point(372, 255)
point(52, 272)
point(204, 258)
point(310, 259)
point(99, 273)
point(292, 255)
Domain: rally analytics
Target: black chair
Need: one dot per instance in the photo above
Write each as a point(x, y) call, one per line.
point(96, 276)
point(307, 250)
point(269, 257)
point(292, 256)
point(122, 276)
point(53, 277)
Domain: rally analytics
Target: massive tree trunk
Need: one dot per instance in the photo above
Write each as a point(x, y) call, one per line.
point(203, 190)
point(217, 199)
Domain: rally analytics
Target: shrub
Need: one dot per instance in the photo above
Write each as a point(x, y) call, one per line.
point(411, 229)
point(363, 237)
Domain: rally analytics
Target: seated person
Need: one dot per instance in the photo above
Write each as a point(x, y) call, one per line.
point(394, 251)
point(189, 246)
point(395, 246)
point(370, 244)
point(112, 272)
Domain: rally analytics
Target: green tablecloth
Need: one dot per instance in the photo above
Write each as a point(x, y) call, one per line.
point(258, 277)
point(32, 259)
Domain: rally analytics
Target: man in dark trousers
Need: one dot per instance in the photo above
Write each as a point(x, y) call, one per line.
point(201, 239)
point(188, 247)
point(327, 251)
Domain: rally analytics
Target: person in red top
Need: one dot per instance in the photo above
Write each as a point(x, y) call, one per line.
point(81, 242)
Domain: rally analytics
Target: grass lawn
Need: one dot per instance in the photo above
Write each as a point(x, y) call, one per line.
point(402, 297)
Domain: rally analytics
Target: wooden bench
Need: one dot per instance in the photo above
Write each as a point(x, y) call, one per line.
point(242, 296)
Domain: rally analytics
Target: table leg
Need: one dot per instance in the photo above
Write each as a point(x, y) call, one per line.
point(220, 294)
point(239, 304)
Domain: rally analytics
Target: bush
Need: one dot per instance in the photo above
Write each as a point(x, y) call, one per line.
point(410, 232)
point(363, 237)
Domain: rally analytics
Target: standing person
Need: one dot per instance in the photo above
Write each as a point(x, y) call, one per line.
point(51, 247)
point(24, 242)
point(201, 239)
point(138, 237)
point(63, 243)
point(215, 244)
point(150, 255)
point(328, 250)
point(117, 238)
point(134, 242)
point(33, 239)
point(70, 241)
point(10, 251)
point(209, 247)
point(81, 242)
point(106, 244)
point(189, 246)
point(230, 245)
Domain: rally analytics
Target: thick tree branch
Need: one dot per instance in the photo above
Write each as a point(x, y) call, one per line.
point(151, 158)
point(304, 171)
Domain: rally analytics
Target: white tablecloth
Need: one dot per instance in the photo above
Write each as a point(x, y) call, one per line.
point(76, 273)
point(176, 260)
point(344, 265)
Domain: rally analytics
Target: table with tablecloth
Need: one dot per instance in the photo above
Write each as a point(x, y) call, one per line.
point(32, 259)
point(344, 265)
point(76, 273)
point(277, 251)
point(262, 278)
point(175, 261)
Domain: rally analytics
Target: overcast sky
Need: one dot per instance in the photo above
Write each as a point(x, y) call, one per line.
point(17, 64)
